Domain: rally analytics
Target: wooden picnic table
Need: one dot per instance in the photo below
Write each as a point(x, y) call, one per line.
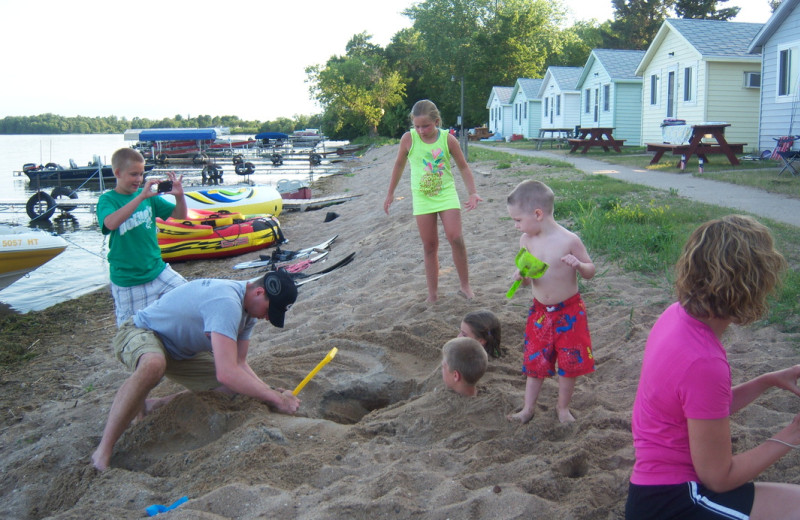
point(696, 146)
point(556, 135)
point(590, 137)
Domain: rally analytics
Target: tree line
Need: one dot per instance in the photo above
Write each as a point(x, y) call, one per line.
point(55, 124)
point(482, 43)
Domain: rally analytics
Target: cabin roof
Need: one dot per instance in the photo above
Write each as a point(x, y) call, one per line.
point(778, 17)
point(529, 86)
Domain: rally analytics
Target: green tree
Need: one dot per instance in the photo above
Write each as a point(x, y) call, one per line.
point(486, 42)
point(356, 89)
point(705, 9)
point(636, 22)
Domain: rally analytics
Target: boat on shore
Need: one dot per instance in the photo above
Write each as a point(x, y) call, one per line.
point(24, 249)
point(249, 200)
point(207, 234)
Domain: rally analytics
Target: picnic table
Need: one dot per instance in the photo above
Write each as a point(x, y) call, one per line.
point(556, 135)
point(589, 137)
point(696, 146)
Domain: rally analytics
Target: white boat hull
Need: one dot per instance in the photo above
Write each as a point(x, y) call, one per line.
point(22, 250)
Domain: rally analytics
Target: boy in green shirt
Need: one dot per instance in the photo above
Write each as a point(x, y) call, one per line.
point(128, 215)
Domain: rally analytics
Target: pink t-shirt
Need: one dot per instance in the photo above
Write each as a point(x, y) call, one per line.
point(685, 374)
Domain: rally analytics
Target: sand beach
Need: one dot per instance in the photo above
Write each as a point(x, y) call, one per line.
point(377, 434)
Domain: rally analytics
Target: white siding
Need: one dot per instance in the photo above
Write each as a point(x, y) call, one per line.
point(660, 66)
point(776, 111)
point(595, 79)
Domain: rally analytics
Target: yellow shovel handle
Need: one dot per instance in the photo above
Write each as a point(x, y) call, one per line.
point(311, 374)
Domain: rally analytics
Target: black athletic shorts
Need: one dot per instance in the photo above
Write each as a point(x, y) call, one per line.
point(689, 501)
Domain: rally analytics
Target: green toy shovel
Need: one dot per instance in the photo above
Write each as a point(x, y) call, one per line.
point(529, 267)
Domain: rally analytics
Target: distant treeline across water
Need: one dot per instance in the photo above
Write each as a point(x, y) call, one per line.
point(55, 124)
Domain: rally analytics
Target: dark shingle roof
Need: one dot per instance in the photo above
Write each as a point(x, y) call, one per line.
point(503, 94)
point(530, 87)
point(620, 64)
point(566, 77)
point(717, 38)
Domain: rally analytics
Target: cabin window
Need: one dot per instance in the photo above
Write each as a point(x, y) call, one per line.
point(546, 105)
point(788, 65)
point(653, 89)
point(752, 80)
point(588, 103)
point(687, 84)
point(606, 98)
point(526, 110)
point(558, 105)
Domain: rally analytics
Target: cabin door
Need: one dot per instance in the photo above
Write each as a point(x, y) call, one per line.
point(596, 103)
point(671, 94)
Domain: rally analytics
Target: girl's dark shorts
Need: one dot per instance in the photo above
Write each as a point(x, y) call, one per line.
point(689, 501)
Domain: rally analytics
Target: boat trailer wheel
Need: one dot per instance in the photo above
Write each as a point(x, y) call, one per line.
point(238, 159)
point(315, 159)
point(277, 159)
point(40, 206)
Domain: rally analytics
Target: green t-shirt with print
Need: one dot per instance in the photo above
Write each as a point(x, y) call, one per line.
point(134, 257)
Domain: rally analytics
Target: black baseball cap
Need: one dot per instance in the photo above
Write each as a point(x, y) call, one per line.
point(282, 293)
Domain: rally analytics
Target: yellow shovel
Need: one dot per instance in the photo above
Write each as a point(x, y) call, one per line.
point(311, 374)
point(529, 267)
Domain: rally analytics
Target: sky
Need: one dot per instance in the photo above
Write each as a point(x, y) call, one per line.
point(159, 58)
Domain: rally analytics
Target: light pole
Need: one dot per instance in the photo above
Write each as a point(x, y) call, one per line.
point(462, 137)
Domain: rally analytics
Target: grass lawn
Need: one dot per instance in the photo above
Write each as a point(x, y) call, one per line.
point(643, 229)
point(762, 174)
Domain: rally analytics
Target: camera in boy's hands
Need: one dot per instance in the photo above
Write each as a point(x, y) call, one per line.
point(164, 187)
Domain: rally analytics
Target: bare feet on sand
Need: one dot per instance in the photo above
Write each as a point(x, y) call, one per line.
point(565, 416)
point(466, 293)
point(100, 461)
point(522, 416)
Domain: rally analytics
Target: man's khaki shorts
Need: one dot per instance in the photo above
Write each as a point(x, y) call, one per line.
point(131, 343)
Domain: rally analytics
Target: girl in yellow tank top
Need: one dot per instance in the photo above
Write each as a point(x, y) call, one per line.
point(433, 190)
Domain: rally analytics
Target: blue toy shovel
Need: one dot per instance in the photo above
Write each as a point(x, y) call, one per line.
point(529, 267)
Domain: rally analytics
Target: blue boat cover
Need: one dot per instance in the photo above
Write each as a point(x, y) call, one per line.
point(272, 135)
point(177, 134)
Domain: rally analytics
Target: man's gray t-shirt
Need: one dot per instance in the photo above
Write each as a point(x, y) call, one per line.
point(185, 317)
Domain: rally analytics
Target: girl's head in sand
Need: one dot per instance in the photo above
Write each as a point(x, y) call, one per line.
point(426, 119)
point(728, 268)
point(484, 327)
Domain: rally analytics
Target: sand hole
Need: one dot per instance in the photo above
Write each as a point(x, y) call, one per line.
point(575, 467)
point(349, 405)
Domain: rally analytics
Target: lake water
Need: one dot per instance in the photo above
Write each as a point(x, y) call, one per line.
point(82, 267)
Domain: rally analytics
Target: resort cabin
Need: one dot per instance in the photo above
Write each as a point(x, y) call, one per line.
point(778, 43)
point(500, 111)
point(527, 107)
point(611, 93)
point(561, 99)
point(701, 71)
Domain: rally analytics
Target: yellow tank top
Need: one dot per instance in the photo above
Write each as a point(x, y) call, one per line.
point(432, 185)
